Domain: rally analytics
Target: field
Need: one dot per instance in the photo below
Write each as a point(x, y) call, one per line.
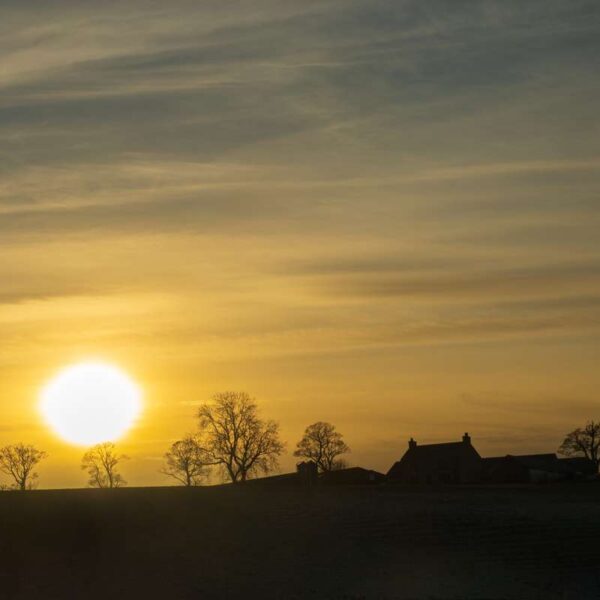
point(271, 542)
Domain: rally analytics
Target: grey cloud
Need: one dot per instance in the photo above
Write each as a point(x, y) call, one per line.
point(46, 292)
point(414, 68)
point(204, 213)
point(382, 264)
point(552, 234)
point(493, 328)
point(513, 281)
point(503, 402)
point(332, 88)
point(505, 193)
point(554, 304)
point(35, 284)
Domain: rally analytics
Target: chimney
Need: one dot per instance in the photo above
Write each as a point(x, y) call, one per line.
point(466, 438)
point(411, 444)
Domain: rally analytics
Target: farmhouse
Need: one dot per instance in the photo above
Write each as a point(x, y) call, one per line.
point(452, 462)
point(459, 462)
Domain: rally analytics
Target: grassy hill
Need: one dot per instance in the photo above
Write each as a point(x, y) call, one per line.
point(270, 542)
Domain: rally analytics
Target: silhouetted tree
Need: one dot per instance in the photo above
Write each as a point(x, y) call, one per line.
point(235, 438)
point(18, 461)
point(583, 441)
point(323, 445)
point(186, 461)
point(101, 462)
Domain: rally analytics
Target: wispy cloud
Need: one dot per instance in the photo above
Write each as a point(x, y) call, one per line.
point(514, 282)
point(385, 200)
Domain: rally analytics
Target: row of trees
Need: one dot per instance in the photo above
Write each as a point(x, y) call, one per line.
point(18, 461)
point(233, 439)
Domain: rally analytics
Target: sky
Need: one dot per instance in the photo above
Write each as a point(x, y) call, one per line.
point(382, 214)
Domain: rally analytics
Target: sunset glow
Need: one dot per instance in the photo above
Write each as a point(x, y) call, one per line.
point(381, 215)
point(299, 299)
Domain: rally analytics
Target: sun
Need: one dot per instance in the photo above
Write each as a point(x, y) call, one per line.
point(90, 403)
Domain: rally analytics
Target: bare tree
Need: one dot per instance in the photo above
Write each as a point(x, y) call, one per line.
point(583, 441)
point(322, 444)
point(101, 462)
point(18, 461)
point(235, 438)
point(186, 461)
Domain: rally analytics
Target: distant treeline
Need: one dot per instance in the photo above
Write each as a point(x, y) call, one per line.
point(233, 440)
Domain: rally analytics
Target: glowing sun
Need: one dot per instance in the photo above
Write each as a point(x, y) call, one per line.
point(90, 403)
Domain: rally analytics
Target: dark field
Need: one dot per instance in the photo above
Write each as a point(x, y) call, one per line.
point(258, 542)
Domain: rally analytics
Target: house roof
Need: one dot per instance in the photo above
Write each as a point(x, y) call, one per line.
point(442, 447)
point(427, 455)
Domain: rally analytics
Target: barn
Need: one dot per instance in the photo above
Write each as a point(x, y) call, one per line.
point(536, 468)
point(353, 476)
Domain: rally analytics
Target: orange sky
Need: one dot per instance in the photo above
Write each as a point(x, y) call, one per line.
point(380, 214)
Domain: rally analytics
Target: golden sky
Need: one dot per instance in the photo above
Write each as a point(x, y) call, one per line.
point(382, 214)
